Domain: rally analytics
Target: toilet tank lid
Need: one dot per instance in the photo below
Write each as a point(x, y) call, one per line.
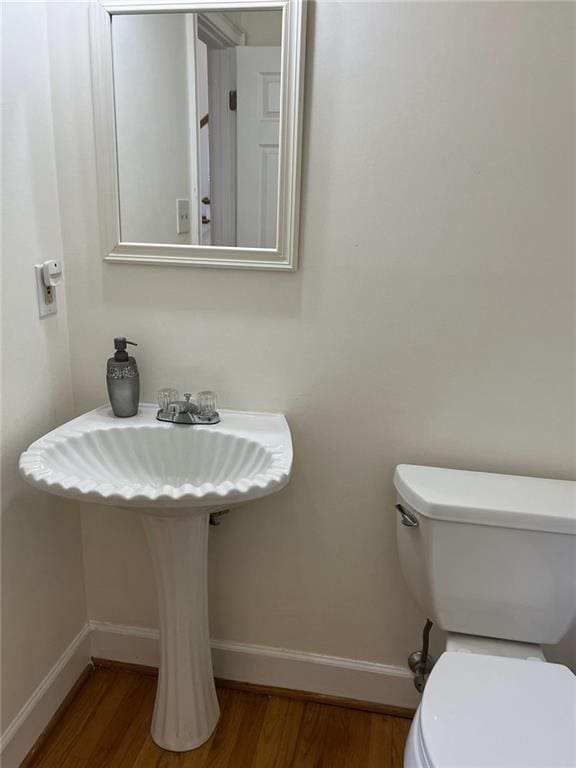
point(481, 498)
point(492, 712)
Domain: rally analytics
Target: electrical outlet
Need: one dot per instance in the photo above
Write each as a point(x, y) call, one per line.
point(46, 294)
point(182, 216)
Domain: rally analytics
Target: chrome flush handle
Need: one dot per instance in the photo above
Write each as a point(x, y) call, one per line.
point(409, 519)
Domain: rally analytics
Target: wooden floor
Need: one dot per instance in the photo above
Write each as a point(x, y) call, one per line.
point(107, 726)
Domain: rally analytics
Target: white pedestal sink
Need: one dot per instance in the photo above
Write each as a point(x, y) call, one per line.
point(175, 475)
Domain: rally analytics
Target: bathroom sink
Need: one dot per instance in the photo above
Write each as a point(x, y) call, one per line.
point(175, 476)
point(141, 462)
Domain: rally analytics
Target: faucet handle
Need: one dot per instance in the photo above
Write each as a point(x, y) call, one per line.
point(207, 404)
point(167, 396)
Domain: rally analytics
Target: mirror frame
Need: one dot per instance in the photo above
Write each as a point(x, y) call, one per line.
point(285, 256)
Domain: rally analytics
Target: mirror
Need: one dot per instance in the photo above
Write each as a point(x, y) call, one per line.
point(170, 77)
point(197, 125)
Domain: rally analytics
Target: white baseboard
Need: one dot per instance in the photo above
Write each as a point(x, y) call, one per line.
point(134, 645)
point(259, 664)
point(265, 665)
point(20, 736)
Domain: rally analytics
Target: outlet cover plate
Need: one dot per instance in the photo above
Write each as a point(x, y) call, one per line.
point(182, 216)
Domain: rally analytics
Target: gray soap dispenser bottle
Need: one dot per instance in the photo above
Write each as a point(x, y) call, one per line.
point(123, 380)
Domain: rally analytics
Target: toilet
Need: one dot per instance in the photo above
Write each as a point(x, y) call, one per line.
point(491, 559)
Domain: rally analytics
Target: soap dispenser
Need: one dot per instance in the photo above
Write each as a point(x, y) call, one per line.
point(123, 380)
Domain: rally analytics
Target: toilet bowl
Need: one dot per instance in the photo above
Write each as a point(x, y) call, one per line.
point(492, 560)
point(482, 711)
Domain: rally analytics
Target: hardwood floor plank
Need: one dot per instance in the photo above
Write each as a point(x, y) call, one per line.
point(359, 726)
point(336, 736)
point(138, 730)
point(57, 717)
point(345, 738)
point(379, 753)
point(399, 736)
point(127, 722)
point(235, 741)
point(254, 711)
point(70, 728)
point(277, 741)
point(310, 744)
point(221, 743)
point(107, 725)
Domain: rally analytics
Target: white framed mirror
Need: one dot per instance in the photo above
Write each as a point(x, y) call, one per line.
point(198, 120)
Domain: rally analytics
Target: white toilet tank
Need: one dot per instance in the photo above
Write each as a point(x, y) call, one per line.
point(490, 555)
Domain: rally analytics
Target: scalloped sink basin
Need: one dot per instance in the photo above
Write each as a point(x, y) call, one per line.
point(141, 462)
point(175, 475)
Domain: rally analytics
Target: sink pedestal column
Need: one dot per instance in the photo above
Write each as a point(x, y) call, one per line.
point(186, 709)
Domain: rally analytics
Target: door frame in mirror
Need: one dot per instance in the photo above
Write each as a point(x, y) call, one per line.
point(285, 256)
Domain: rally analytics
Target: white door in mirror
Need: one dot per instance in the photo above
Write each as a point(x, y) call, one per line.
point(258, 131)
point(48, 276)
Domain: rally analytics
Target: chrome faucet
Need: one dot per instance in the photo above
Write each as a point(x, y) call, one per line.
point(188, 411)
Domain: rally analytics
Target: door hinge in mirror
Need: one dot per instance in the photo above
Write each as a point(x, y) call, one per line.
point(232, 101)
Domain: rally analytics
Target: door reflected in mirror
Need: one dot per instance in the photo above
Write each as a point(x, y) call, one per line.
point(197, 109)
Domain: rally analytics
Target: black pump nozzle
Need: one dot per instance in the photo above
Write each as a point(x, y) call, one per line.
point(121, 356)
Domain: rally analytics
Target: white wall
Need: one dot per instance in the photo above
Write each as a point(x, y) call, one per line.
point(151, 89)
point(43, 601)
point(431, 321)
point(260, 27)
